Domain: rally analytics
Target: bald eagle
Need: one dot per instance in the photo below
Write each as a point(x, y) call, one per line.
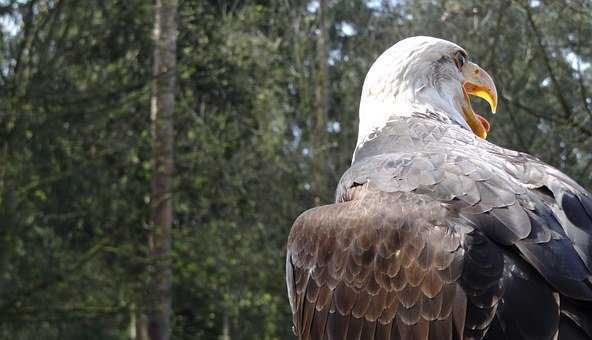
point(435, 232)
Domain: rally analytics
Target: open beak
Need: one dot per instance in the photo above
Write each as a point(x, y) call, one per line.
point(477, 83)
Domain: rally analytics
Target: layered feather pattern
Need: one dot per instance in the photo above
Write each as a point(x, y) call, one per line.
point(437, 234)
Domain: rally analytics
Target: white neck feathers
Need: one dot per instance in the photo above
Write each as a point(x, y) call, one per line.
point(410, 77)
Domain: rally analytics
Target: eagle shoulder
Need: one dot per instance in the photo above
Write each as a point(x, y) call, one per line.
point(388, 265)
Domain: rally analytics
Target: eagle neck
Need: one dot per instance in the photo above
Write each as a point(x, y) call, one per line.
point(375, 114)
point(426, 97)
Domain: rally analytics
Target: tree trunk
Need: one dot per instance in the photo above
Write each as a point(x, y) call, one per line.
point(138, 324)
point(162, 109)
point(319, 137)
point(225, 327)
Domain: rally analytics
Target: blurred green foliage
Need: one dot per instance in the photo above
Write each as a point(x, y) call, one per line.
point(75, 143)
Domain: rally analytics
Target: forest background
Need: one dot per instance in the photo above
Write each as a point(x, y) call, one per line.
point(153, 154)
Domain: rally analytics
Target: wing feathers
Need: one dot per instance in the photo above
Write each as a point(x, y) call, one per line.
point(422, 247)
point(388, 276)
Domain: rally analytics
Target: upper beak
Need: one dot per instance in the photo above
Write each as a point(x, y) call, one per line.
point(478, 83)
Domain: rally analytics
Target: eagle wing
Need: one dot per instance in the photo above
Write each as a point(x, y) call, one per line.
point(389, 266)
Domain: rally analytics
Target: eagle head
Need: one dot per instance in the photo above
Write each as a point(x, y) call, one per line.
point(424, 74)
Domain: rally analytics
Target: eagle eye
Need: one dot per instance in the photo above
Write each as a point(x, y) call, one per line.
point(460, 58)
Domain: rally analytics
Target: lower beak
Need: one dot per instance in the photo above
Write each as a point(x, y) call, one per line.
point(477, 83)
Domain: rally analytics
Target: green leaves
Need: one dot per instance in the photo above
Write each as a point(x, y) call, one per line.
point(75, 147)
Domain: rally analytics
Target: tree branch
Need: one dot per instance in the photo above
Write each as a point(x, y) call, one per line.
point(57, 278)
point(547, 60)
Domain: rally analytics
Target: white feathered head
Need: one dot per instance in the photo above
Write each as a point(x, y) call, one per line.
point(420, 74)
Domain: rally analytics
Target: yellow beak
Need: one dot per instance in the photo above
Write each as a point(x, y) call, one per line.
point(477, 83)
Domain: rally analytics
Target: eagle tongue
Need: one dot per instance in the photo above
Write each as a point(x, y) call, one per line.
point(483, 121)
